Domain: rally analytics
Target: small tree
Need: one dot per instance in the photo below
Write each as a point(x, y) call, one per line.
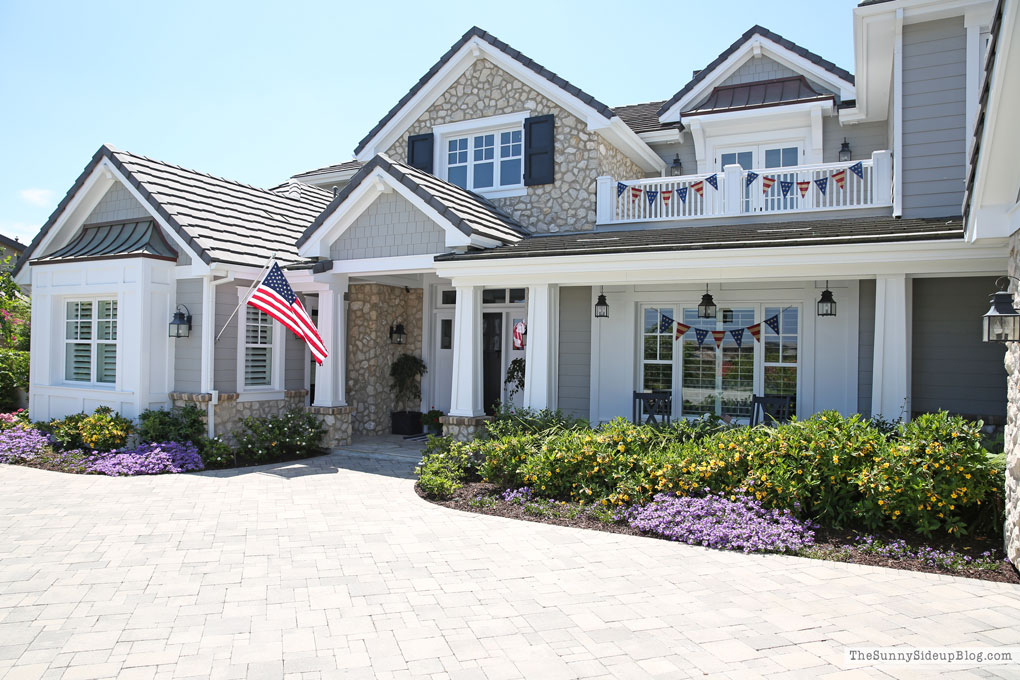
point(406, 373)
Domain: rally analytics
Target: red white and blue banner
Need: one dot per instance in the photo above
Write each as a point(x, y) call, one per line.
point(667, 323)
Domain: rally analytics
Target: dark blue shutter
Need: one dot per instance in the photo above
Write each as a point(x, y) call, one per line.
point(539, 148)
point(419, 151)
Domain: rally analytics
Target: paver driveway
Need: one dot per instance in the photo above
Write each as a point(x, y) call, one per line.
point(335, 568)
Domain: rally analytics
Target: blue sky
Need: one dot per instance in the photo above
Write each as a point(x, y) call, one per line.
point(258, 91)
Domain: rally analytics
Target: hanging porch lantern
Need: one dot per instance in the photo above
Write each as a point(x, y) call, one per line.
point(397, 334)
point(1002, 322)
point(180, 324)
point(844, 151)
point(677, 167)
point(707, 308)
point(601, 306)
point(826, 303)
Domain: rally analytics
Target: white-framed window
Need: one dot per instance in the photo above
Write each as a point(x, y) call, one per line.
point(484, 155)
point(258, 348)
point(782, 353)
point(90, 340)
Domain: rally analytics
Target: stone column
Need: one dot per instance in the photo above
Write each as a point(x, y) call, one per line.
point(1011, 530)
point(890, 392)
point(541, 351)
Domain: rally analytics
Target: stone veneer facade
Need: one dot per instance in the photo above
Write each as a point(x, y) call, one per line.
point(463, 429)
point(1011, 530)
point(372, 308)
point(229, 411)
point(568, 204)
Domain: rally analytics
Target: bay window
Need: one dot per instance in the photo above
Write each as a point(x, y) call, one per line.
point(90, 341)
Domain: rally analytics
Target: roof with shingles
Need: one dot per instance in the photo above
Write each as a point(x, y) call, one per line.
point(339, 167)
point(221, 220)
point(979, 119)
point(724, 236)
point(475, 32)
point(644, 117)
point(11, 243)
point(465, 210)
point(750, 33)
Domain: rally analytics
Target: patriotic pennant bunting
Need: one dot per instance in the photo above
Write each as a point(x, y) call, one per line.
point(822, 184)
point(719, 336)
point(738, 336)
point(620, 188)
point(766, 184)
point(666, 195)
point(635, 193)
point(702, 335)
point(786, 187)
point(699, 187)
point(682, 194)
point(858, 169)
point(651, 196)
point(666, 324)
point(803, 188)
point(839, 178)
point(713, 181)
point(681, 328)
point(773, 323)
point(755, 331)
point(751, 176)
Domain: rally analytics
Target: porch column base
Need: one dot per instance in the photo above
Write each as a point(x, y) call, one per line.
point(229, 412)
point(337, 422)
point(463, 429)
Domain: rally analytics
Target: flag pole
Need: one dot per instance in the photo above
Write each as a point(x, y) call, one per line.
point(244, 299)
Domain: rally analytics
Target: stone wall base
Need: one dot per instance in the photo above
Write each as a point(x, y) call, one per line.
point(229, 411)
point(462, 429)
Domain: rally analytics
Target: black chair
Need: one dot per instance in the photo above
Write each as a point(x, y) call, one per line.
point(770, 409)
point(653, 408)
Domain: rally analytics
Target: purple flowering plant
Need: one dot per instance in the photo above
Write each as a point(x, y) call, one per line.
point(147, 459)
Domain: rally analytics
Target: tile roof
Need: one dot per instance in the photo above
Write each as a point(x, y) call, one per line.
point(221, 220)
point(466, 210)
point(135, 239)
point(979, 119)
point(750, 33)
point(758, 95)
point(475, 32)
point(11, 243)
point(643, 117)
point(724, 236)
point(339, 167)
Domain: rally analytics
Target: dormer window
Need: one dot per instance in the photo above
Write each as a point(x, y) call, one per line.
point(486, 161)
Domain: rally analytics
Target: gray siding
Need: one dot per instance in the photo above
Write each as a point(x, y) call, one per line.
point(864, 139)
point(574, 377)
point(294, 362)
point(188, 351)
point(685, 148)
point(225, 352)
point(866, 345)
point(951, 368)
point(934, 117)
point(117, 204)
point(389, 227)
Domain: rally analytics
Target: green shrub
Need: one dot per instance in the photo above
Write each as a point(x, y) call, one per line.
point(508, 421)
point(104, 430)
point(444, 468)
point(13, 376)
point(216, 454)
point(295, 434)
point(179, 424)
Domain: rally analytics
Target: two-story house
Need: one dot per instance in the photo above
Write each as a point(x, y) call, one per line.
point(776, 225)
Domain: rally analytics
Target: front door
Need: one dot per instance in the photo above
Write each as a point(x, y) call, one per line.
point(442, 372)
point(492, 360)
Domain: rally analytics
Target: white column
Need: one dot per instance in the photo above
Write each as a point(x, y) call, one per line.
point(207, 323)
point(890, 387)
point(540, 354)
point(605, 199)
point(881, 177)
point(331, 376)
point(733, 189)
point(466, 397)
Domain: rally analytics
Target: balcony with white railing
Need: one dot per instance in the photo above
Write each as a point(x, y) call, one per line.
point(736, 191)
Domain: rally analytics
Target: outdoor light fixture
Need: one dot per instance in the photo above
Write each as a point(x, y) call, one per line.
point(677, 168)
point(180, 324)
point(601, 306)
point(826, 303)
point(844, 151)
point(397, 334)
point(707, 308)
point(1002, 322)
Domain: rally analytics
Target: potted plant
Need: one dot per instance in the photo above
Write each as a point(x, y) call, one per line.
point(431, 422)
point(514, 378)
point(406, 373)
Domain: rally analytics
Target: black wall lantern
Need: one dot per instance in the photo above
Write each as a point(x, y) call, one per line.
point(601, 306)
point(180, 324)
point(826, 303)
point(707, 308)
point(677, 168)
point(398, 336)
point(844, 151)
point(1002, 322)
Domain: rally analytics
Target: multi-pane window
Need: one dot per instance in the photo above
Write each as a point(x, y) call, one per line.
point(258, 348)
point(657, 350)
point(90, 341)
point(781, 353)
point(718, 379)
point(488, 160)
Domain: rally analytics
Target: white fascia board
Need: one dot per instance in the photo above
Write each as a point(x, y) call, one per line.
point(401, 264)
point(765, 119)
point(661, 136)
point(358, 201)
point(759, 45)
point(629, 142)
point(756, 263)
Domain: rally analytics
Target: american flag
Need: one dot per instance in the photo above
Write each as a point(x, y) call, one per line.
point(275, 297)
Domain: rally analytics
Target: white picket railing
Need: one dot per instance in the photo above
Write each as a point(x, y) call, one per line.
point(618, 203)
